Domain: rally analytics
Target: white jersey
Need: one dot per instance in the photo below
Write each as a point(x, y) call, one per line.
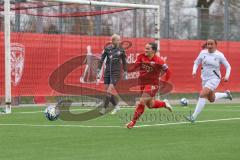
point(211, 65)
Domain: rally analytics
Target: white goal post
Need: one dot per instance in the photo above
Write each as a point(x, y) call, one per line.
point(7, 45)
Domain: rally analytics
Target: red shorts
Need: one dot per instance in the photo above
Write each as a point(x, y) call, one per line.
point(150, 89)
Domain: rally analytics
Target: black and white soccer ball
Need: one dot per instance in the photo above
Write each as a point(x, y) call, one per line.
point(184, 102)
point(52, 112)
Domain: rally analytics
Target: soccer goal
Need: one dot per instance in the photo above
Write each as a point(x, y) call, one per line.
point(50, 49)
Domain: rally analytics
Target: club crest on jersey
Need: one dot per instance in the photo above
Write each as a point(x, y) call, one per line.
point(118, 53)
point(152, 63)
point(17, 62)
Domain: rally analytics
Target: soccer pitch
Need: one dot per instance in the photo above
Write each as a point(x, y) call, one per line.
point(27, 134)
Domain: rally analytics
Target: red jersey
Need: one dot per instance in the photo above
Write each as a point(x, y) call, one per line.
point(150, 69)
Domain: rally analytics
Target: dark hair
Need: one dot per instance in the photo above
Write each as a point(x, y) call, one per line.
point(154, 46)
point(215, 41)
point(204, 46)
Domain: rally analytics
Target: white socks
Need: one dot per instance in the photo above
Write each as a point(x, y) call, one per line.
point(200, 105)
point(202, 101)
point(117, 107)
point(219, 95)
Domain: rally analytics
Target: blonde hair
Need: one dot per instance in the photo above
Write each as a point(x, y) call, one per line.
point(115, 36)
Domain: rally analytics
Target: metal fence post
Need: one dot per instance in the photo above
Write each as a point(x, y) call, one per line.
point(226, 19)
point(167, 19)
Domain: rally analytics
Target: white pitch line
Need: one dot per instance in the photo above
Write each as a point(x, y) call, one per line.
point(79, 109)
point(159, 124)
point(127, 108)
point(138, 126)
point(177, 123)
point(51, 125)
point(33, 112)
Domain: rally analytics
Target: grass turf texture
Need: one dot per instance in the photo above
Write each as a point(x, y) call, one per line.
point(27, 134)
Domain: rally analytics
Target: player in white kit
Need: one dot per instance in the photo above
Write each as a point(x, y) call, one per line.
point(211, 59)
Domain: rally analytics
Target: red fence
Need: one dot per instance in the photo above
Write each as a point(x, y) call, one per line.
point(36, 56)
point(182, 53)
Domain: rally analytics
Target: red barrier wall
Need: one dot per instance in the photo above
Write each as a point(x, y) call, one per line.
point(44, 53)
point(182, 53)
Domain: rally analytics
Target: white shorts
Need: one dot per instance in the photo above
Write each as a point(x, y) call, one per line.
point(211, 83)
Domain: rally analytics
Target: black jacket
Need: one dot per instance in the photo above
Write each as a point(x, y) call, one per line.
point(115, 57)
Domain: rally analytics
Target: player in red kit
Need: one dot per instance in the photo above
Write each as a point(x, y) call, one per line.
point(151, 68)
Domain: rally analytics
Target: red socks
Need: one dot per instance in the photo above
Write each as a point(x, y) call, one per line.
point(138, 112)
point(140, 109)
point(158, 104)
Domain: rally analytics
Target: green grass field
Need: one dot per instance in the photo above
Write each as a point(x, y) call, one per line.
point(28, 135)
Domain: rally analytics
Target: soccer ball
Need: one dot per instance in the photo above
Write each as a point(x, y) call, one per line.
point(52, 112)
point(184, 102)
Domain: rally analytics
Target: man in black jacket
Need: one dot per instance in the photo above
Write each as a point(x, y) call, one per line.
point(116, 58)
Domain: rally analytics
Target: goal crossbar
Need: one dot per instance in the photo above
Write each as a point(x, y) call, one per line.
point(109, 4)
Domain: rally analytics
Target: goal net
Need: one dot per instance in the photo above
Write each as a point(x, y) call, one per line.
point(56, 47)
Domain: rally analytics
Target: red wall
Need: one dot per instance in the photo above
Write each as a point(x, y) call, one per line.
point(44, 53)
point(182, 53)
